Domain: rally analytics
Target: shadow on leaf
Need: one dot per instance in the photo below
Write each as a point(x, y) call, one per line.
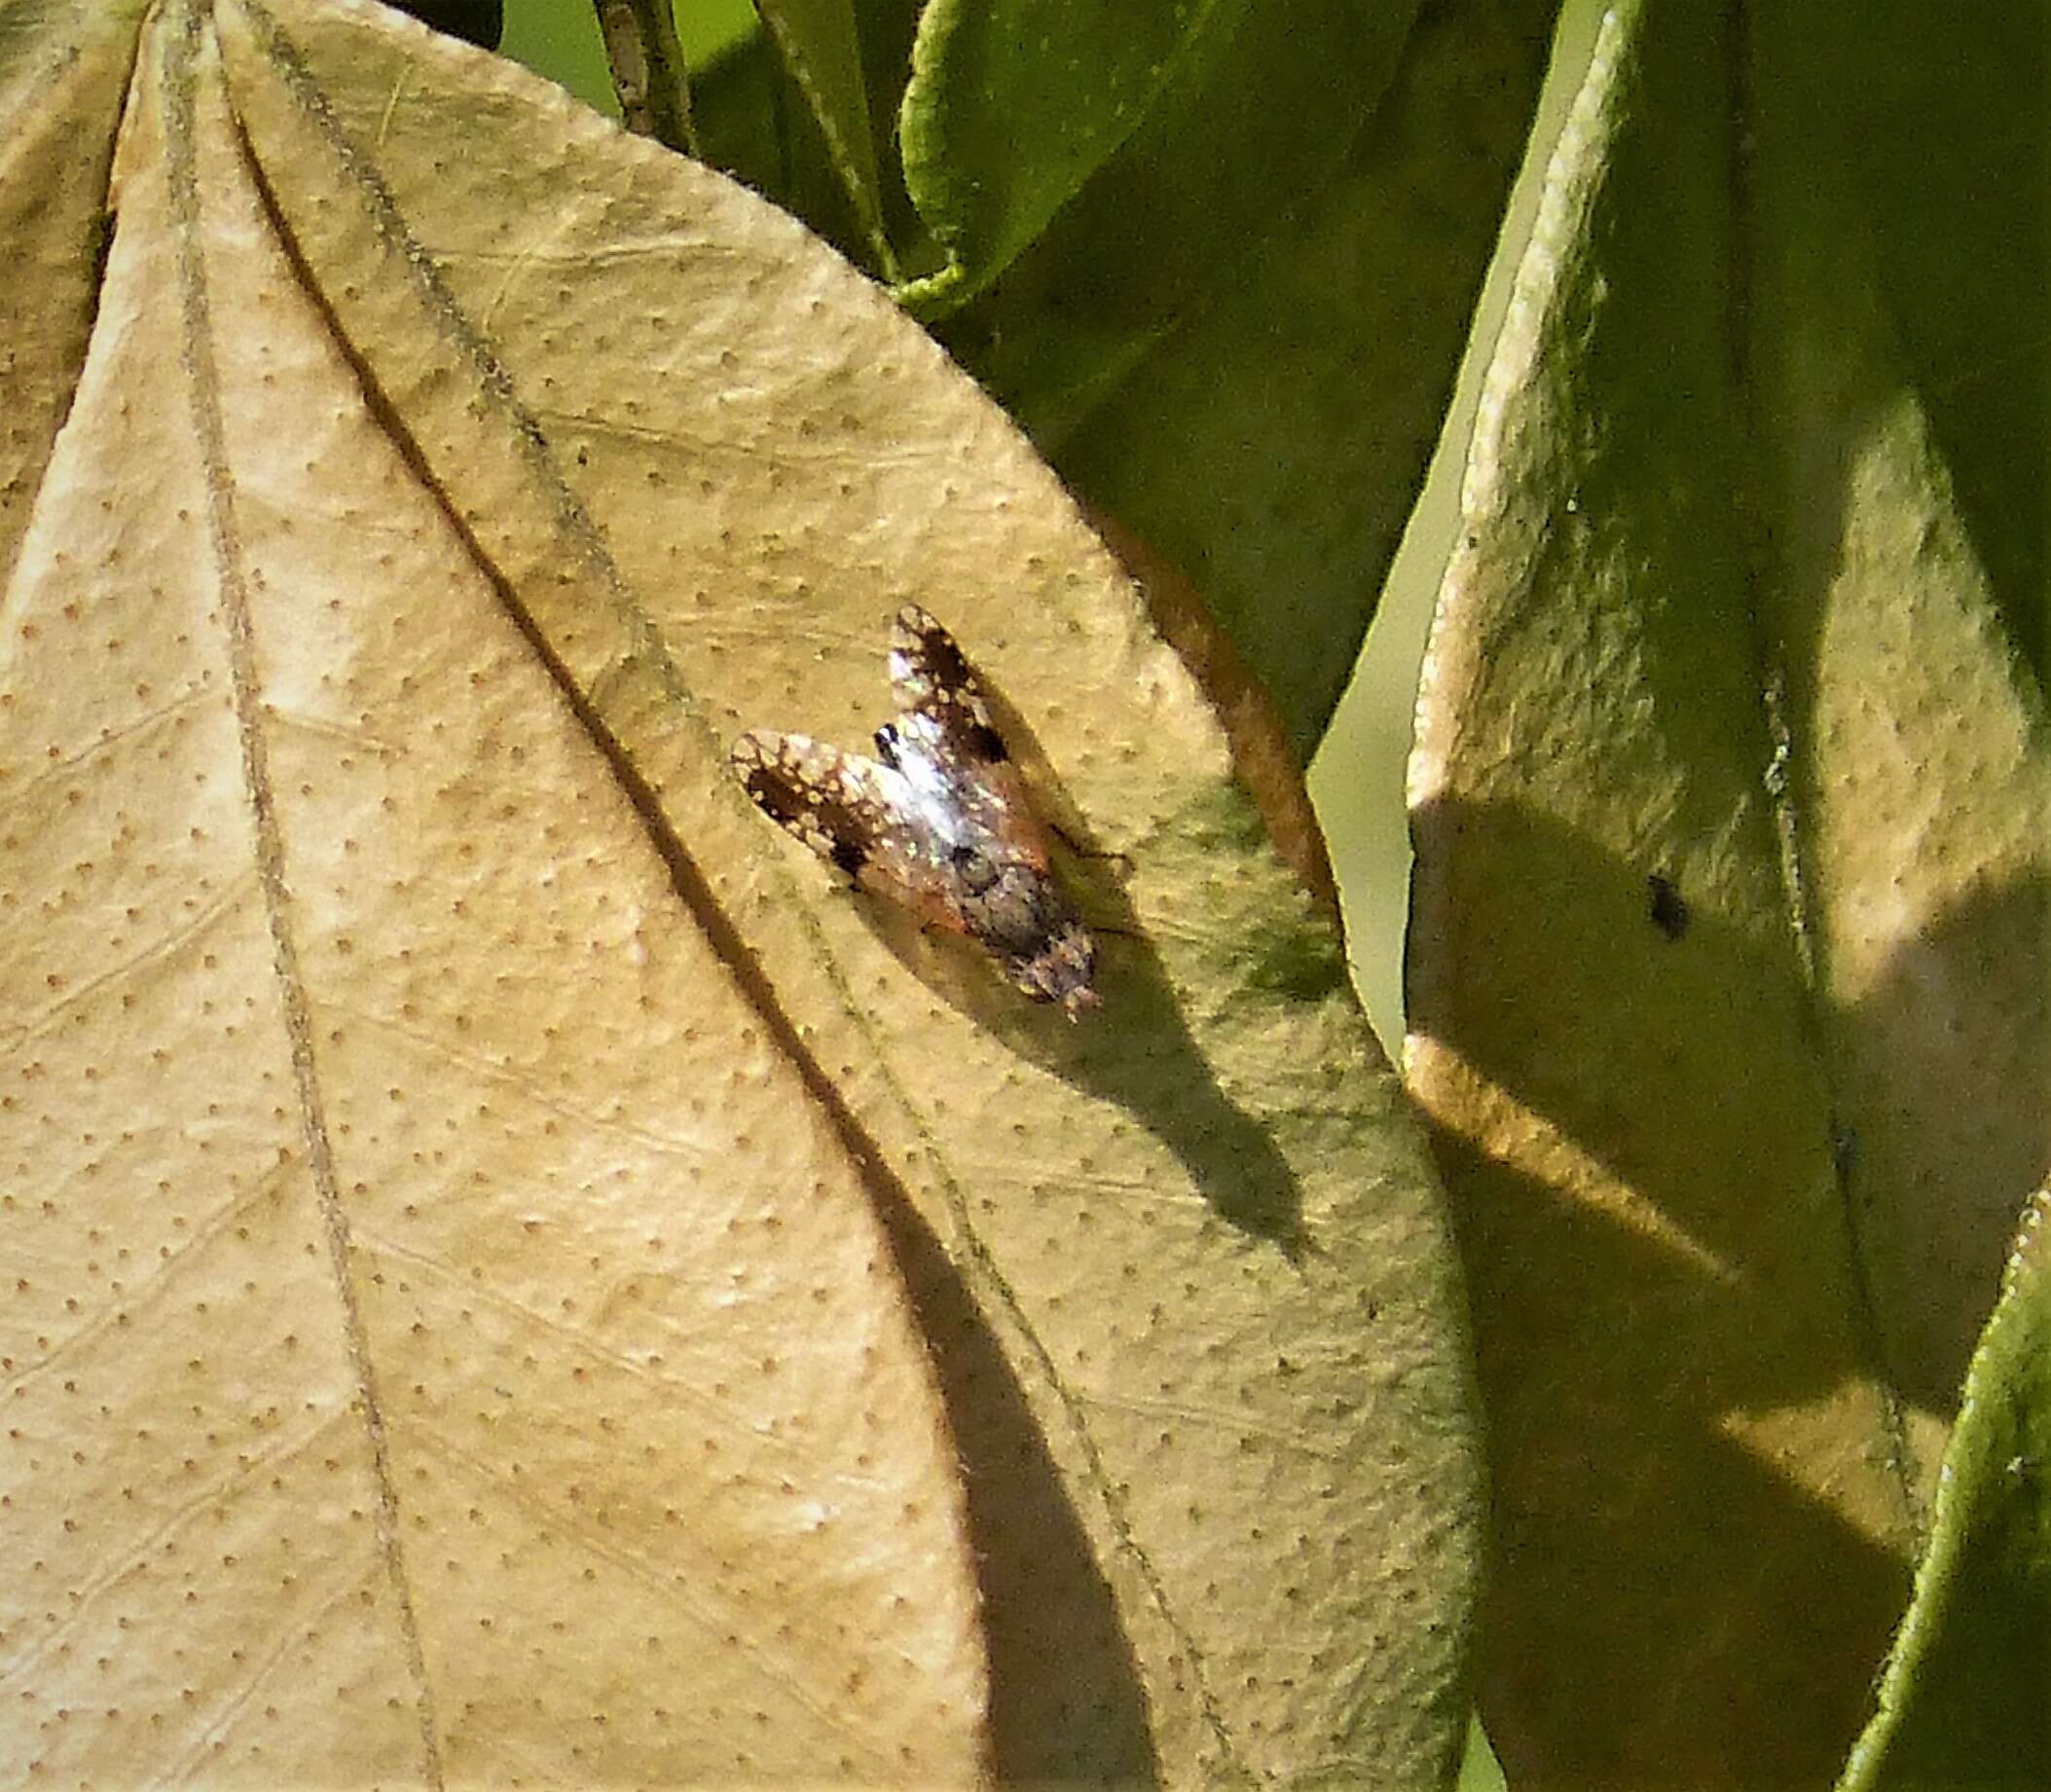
point(1137, 1050)
point(1718, 1250)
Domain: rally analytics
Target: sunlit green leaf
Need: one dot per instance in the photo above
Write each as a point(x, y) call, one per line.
point(1963, 1699)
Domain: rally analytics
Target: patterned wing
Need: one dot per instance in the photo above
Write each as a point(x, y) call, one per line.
point(931, 677)
point(853, 812)
point(939, 823)
point(946, 741)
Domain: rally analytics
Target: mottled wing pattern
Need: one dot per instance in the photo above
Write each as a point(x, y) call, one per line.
point(932, 677)
point(851, 812)
point(941, 823)
point(946, 722)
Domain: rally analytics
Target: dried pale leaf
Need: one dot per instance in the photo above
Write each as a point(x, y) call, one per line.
point(447, 1344)
point(1181, 1267)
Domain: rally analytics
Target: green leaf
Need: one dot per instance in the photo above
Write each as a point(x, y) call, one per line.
point(1012, 108)
point(476, 21)
point(737, 99)
point(1272, 445)
point(63, 69)
point(562, 40)
point(1728, 967)
point(818, 45)
point(754, 121)
point(1134, 152)
point(1962, 1702)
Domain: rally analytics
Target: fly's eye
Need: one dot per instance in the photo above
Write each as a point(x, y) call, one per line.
point(972, 867)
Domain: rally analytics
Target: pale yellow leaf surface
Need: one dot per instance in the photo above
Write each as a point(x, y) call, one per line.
point(444, 1343)
point(1179, 1270)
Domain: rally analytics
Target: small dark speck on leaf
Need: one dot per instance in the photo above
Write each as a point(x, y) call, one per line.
point(1843, 1149)
point(1668, 909)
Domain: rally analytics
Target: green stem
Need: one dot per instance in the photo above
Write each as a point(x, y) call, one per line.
point(647, 70)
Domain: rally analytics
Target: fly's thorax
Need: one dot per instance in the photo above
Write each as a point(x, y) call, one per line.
point(1018, 912)
point(1010, 905)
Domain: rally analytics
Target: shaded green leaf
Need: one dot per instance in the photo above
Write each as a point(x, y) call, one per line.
point(1272, 445)
point(1728, 964)
point(753, 122)
point(819, 48)
point(757, 124)
point(1134, 154)
point(476, 21)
